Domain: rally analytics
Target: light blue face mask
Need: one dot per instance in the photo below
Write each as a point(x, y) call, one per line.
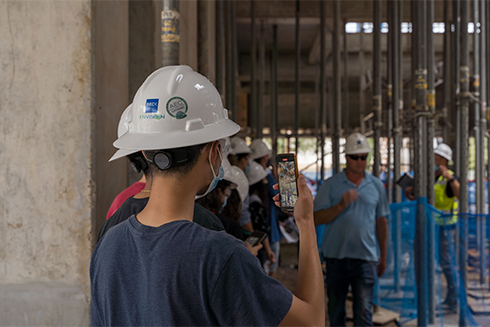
point(436, 167)
point(247, 170)
point(216, 179)
point(224, 203)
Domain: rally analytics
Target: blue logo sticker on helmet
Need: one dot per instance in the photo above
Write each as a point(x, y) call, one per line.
point(151, 106)
point(177, 107)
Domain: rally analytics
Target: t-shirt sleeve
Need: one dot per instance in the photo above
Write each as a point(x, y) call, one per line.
point(383, 208)
point(244, 295)
point(322, 198)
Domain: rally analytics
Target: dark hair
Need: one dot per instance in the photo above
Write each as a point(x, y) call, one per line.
point(192, 153)
point(138, 161)
point(232, 209)
point(212, 201)
point(240, 156)
point(261, 189)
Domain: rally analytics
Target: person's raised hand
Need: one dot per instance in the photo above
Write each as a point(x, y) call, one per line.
point(348, 197)
point(255, 249)
point(408, 193)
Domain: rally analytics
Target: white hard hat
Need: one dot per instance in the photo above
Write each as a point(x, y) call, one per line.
point(238, 145)
point(357, 143)
point(121, 129)
point(175, 107)
point(444, 151)
point(239, 178)
point(228, 175)
point(259, 149)
point(256, 173)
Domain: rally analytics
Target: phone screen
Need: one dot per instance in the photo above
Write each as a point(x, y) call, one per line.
point(287, 175)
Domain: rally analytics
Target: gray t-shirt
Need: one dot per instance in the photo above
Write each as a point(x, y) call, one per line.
point(180, 274)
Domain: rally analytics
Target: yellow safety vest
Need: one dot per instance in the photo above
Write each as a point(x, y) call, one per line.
point(444, 203)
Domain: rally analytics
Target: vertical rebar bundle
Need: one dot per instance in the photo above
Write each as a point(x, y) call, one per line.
point(297, 79)
point(253, 79)
point(273, 87)
point(260, 111)
point(377, 98)
point(337, 89)
point(170, 32)
point(219, 32)
point(323, 122)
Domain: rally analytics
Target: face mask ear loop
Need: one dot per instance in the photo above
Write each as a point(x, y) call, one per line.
point(220, 156)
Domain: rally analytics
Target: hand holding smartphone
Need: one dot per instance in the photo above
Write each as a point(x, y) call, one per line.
point(256, 238)
point(287, 175)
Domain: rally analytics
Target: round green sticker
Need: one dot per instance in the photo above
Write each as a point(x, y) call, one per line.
point(177, 107)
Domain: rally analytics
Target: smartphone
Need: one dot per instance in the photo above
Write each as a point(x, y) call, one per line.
point(256, 238)
point(287, 175)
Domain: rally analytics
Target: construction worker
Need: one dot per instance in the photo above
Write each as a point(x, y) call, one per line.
point(262, 155)
point(158, 268)
point(446, 191)
point(354, 206)
point(239, 155)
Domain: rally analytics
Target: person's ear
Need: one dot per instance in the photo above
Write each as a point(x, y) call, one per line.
point(214, 152)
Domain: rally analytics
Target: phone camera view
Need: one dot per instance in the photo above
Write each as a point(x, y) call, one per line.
point(287, 181)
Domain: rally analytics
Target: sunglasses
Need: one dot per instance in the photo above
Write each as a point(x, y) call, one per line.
point(356, 157)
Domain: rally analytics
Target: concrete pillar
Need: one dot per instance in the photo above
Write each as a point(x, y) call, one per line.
point(64, 85)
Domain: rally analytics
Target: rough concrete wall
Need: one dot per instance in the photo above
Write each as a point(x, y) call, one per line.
point(110, 55)
point(46, 196)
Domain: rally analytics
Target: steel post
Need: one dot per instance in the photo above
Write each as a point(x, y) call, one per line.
point(420, 157)
point(377, 97)
point(464, 123)
point(170, 36)
point(323, 84)
point(337, 90)
point(345, 102)
point(447, 98)
point(297, 79)
point(219, 32)
point(389, 97)
point(260, 113)
point(229, 73)
point(273, 84)
point(362, 101)
point(253, 67)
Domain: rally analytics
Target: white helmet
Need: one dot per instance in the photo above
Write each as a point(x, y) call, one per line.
point(238, 145)
point(174, 107)
point(259, 149)
point(121, 129)
point(357, 143)
point(228, 175)
point(444, 151)
point(239, 178)
point(256, 173)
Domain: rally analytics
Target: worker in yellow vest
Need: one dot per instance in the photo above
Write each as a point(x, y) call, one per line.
point(446, 189)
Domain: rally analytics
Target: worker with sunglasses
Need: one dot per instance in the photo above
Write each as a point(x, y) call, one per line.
point(354, 206)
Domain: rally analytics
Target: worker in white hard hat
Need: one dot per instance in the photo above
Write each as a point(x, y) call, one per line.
point(134, 199)
point(446, 191)
point(353, 205)
point(158, 268)
point(239, 155)
point(261, 153)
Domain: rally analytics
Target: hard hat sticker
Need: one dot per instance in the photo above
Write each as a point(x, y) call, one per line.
point(151, 106)
point(177, 107)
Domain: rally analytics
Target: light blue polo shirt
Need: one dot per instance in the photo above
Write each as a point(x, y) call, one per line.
point(353, 233)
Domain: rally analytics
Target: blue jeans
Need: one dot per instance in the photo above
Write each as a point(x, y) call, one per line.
point(361, 276)
point(447, 260)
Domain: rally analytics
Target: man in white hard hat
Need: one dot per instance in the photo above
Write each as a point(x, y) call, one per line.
point(446, 191)
point(158, 268)
point(353, 205)
point(262, 155)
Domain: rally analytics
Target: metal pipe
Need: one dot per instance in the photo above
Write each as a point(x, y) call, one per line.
point(219, 31)
point(455, 62)
point(322, 90)
point(397, 133)
point(362, 101)
point(420, 156)
point(203, 37)
point(446, 106)
point(253, 79)
point(229, 58)
point(260, 116)
point(273, 83)
point(297, 79)
point(389, 96)
point(463, 193)
point(483, 127)
point(234, 62)
point(431, 103)
point(346, 117)
point(377, 98)
point(170, 32)
point(337, 91)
